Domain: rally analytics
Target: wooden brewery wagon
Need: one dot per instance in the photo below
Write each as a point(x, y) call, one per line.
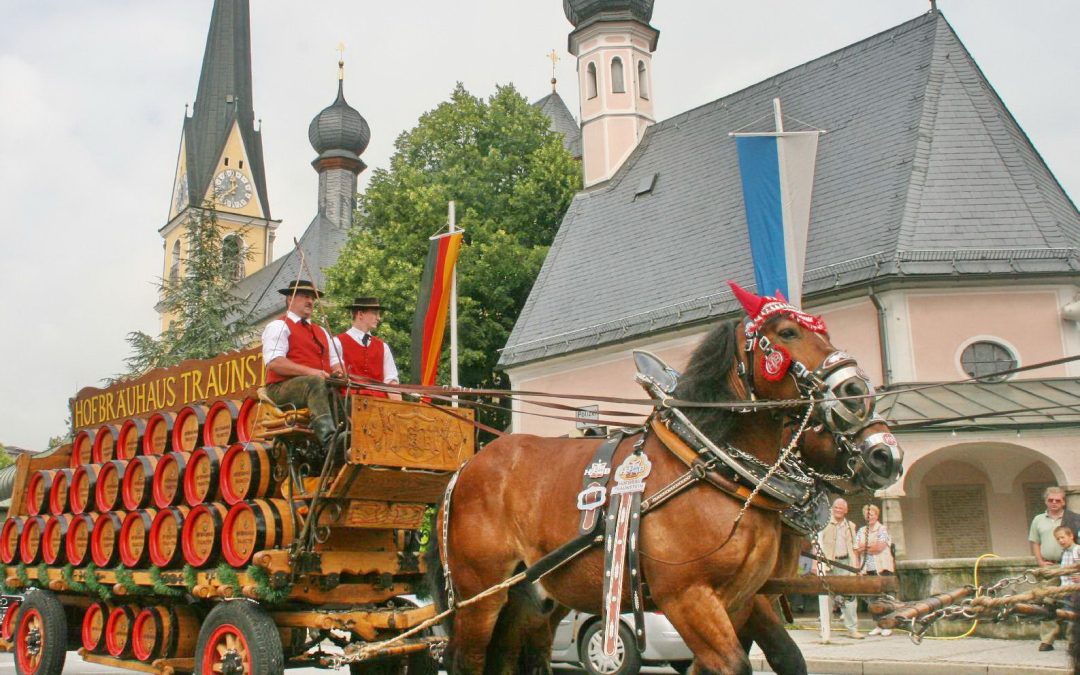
point(191, 527)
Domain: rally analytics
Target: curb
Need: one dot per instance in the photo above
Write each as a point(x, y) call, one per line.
point(887, 667)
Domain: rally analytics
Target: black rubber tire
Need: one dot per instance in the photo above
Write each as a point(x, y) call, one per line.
point(53, 633)
point(254, 625)
point(631, 658)
point(681, 667)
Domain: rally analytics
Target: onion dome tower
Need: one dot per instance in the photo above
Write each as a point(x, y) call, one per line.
point(613, 42)
point(340, 135)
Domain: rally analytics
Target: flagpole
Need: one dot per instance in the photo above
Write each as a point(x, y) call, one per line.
point(453, 312)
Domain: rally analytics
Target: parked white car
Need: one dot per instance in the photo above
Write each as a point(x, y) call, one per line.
point(579, 637)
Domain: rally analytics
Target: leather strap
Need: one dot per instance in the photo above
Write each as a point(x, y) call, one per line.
point(692, 459)
point(594, 481)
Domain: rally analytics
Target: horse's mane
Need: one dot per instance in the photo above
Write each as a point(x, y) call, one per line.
point(706, 379)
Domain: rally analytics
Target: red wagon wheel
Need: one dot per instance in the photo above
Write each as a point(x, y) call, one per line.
point(239, 638)
point(40, 635)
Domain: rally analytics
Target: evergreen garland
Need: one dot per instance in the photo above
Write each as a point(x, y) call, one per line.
point(43, 575)
point(191, 578)
point(93, 585)
point(68, 573)
point(162, 588)
point(226, 574)
point(20, 572)
point(264, 589)
point(124, 578)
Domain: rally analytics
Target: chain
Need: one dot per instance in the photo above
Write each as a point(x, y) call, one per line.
point(779, 461)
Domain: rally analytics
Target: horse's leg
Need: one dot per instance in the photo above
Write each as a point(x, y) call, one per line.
point(699, 615)
point(473, 626)
point(520, 635)
point(765, 627)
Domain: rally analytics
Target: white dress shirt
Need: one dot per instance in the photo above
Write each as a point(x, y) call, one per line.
point(275, 340)
point(390, 371)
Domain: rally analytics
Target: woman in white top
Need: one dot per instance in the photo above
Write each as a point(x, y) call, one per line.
point(873, 544)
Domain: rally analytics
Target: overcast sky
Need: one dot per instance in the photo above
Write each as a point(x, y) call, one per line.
point(92, 96)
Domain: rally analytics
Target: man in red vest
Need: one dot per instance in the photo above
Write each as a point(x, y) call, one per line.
point(364, 356)
point(299, 358)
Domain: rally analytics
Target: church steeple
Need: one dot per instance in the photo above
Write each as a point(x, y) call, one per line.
point(221, 154)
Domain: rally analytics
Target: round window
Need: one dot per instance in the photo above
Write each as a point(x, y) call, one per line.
point(984, 359)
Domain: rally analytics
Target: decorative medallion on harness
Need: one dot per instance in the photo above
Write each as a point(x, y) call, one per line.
point(774, 364)
point(597, 470)
point(621, 548)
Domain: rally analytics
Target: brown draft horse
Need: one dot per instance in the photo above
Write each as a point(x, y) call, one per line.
point(516, 501)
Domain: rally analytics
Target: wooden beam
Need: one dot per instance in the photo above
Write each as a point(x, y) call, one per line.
point(839, 585)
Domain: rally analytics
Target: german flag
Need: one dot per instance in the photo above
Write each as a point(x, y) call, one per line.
point(432, 305)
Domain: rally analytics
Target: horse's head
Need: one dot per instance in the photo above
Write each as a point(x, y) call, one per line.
point(870, 458)
point(787, 355)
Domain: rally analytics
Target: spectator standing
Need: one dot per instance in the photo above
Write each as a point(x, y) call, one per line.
point(1047, 550)
point(874, 546)
point(837, 540)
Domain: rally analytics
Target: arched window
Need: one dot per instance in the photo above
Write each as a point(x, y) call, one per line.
point(174, 265)
point(232, 256)
point(984, 358)
point(642, 80)
point(590, 81)
point(618, 84)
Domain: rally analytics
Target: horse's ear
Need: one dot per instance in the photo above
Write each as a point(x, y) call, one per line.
point(751, 303)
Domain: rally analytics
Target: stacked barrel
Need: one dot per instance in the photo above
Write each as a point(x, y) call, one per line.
point(173, 489)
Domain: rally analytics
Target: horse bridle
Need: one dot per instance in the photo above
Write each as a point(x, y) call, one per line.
point(820, 384)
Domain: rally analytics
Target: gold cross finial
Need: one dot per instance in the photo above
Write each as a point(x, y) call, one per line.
point(554, 58)
point(341, 61)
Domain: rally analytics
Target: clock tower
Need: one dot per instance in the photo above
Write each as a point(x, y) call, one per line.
point(220, 162)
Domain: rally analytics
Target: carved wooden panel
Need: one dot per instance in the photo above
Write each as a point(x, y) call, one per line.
point(368, 513)
point(410, 435)
point(392, 485)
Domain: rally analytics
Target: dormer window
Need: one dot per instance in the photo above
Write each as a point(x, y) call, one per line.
point(618, 84)
point(590, 81)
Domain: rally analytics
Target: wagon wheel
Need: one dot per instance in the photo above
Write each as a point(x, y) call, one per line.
point(40, 635)
point(239, 638)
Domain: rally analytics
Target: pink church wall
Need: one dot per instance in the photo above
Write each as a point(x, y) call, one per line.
point(941, 325)
point(853, 328)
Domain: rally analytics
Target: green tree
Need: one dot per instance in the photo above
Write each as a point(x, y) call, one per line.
point(511, 179)
point(207, 316)
point(6, 459)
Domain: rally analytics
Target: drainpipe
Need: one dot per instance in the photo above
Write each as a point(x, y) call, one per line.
point(886, 364)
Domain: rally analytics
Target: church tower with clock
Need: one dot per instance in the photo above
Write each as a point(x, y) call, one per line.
point(220, 161)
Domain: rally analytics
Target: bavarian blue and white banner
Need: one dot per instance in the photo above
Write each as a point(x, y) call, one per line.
point(778, 177)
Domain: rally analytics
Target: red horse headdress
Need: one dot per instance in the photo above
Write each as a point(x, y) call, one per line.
point(762, 308)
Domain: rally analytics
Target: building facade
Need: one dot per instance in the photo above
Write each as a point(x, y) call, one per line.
point(940, 247)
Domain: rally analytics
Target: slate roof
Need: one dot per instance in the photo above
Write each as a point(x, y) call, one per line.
point(562, 121)
point(923, 171)
point(1050, 402)
point(224, 96)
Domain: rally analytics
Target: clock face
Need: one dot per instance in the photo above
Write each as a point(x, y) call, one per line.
point(232, 189)
point(180, 195)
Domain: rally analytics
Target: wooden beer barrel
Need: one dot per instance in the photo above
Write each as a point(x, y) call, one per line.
point(105, 537)
point(253, 526)
point(136, 489)
point(220, 425)
point(201, 537)
point(165, 632)
point(118, 630)
point(104, 447)
point(129, 439)
point(93, 626)
point(60, 491)
point(188, 428)
point(53, 539)
point(201, 476)
point(30, 540)
point(248, 472)
point(165, 535)
point(246, 418)
point(37, 491)
point(157, 438)
point(83, 484)
point(134, 536)
point(109, 482)
point(167, 486)
point(7, 626)
point(82, 448)
point(9, 539)
point(77, 541)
